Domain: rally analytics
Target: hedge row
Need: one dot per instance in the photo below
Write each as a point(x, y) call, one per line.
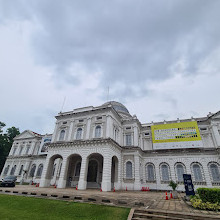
point(209, 194)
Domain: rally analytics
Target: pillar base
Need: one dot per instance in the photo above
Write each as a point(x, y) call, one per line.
point(106, 186)
point(44, 183)
point(82, 185)
point(61, 184)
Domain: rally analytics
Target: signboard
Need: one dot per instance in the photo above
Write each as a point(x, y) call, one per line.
point(43, 147)
point(176, 135)
point(188, 185)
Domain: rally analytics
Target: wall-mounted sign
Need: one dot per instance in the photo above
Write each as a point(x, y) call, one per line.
point(176, 135)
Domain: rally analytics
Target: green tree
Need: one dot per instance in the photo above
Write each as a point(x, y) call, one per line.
point(6, 141)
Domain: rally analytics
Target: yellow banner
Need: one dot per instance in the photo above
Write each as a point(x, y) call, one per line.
point(176, 132)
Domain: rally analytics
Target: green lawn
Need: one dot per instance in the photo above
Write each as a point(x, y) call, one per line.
point(19, 207)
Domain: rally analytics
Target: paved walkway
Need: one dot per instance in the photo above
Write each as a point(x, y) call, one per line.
point(145, 200)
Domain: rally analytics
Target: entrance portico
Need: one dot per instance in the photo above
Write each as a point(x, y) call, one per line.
point(84, 166)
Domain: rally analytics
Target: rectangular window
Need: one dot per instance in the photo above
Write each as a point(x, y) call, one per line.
point(98, 118)
point(203, 129)
point(21, 149)
point(128, 140)
point(14, 151)
point(27, 149)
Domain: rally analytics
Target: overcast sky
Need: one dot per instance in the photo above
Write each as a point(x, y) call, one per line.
point(161, 59)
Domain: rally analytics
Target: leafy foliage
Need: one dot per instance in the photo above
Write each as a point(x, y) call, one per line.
point(173, 185)
point(199, 204)
point(6, 140)
point(209, 194)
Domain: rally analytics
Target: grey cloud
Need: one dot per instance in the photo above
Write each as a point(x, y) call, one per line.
point(130, 42)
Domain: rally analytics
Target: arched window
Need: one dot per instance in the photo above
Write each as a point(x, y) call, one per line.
point(54, 168)
point(78, 166)
point(79, 134)
point(62, 134)
point(39, 170)
point(129, 170)
point(179, 172)
point(6, 170)
point(215, 172)
point(98, 131)
point(13, 170)
point(150, 172)
point(197, 172)
point(165, 172)
point(32, 172)
point(21, 169)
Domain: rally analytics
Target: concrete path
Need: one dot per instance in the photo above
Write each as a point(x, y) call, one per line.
point(145, 200)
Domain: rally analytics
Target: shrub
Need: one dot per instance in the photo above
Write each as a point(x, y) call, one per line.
point(211, 195)
point(173, 185)
point(199, 204)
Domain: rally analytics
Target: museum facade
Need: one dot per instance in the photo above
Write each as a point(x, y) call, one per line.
point(105, 147)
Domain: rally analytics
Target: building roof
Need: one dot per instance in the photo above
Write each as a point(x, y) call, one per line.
point(117, 106)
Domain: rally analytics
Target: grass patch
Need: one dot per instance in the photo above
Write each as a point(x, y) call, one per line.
point(19, 207)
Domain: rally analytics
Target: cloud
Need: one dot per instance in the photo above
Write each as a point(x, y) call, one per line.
point(127, 42)
point(159, 58)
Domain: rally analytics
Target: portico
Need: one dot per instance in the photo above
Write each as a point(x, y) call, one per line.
point(87, 165)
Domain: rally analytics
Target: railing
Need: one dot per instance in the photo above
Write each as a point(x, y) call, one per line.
point(199, 183)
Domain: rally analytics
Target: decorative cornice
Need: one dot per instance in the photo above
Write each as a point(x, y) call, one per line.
point(25, 156)
point(84, 142)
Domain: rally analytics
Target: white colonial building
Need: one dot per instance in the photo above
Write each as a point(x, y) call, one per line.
point(105, 147)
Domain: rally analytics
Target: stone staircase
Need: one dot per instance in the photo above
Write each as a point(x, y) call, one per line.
point(142, 214)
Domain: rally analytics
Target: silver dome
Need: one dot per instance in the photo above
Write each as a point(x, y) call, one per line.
point(117, 106)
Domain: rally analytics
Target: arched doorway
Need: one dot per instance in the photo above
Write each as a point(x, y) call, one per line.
point(73, 173)
point(114, 171)
point(92, 171)
point(94, 174)
point(54, 169)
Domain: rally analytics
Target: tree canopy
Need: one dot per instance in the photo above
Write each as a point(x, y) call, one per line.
point(6, 141)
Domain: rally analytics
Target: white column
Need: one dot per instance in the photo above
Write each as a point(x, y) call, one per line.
point(137, 183)
point(118, 184)
point(33, 145)
point(216, 134)
point(109, 128)
point(206, 175)
point(45, 179)
point(63, 174)
point(135, 136)
point(54, 133)
point(106, 176)
point(83, 173)
point(88, 128)
point(70, 131)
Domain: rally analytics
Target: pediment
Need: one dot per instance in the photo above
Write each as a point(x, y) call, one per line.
point(25, 135)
